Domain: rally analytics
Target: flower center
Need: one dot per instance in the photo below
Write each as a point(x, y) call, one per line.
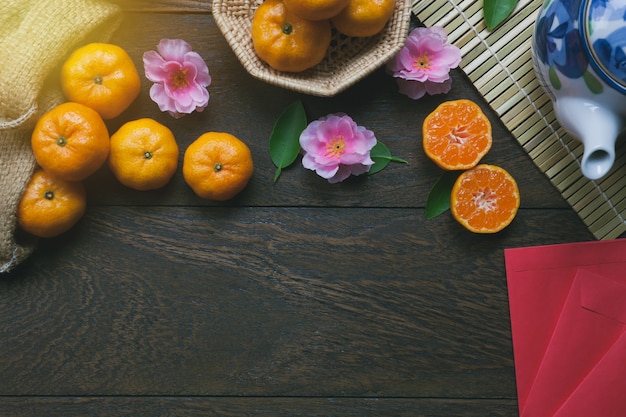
point(336, 146)
point(178, 79)
point(422, 61)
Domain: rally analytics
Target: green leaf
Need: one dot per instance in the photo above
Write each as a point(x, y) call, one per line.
point(381, 156)
point(497, 11)
point(439, 197)
point(285, 138)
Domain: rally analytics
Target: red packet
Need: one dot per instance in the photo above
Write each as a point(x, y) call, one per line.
point(568, 315)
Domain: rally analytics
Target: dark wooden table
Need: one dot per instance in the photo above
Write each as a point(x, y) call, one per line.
point(297, 298)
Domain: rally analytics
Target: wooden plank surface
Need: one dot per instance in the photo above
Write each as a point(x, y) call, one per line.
point(296, 298)
point(262, 407)
point(266, 301)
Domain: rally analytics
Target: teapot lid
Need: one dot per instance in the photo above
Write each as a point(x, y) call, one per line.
point(604, 27)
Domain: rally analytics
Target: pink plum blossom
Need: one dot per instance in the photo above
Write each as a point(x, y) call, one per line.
point(423, 64)
point(180, 77)
point(335, 147)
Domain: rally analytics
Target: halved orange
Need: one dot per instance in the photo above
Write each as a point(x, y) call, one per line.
point(456, 135)
point(485, 199)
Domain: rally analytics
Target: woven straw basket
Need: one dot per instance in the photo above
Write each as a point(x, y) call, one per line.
point(347, 61)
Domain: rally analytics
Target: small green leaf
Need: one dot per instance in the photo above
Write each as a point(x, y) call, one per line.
point(381, 156)
point(497, 11)
point(285, 138)
point(439, 197)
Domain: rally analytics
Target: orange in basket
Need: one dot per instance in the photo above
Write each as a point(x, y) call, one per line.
point(485, 199)
point(316, 9)
point(456, 135)
point(287, 42)
point(362, 18)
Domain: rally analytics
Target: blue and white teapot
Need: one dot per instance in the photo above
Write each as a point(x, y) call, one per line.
point(579, 54)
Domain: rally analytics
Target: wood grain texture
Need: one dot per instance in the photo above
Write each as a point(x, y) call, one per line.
point(297, 298)
point(164, 6)
point(257, 406)
point(266, 301)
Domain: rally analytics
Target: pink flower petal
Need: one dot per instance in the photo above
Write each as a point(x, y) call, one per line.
point(342, 173)
point(202, 71)
point(173, 49)
point(159, 96)
point(358, 169)
point(153, 66)
point(448, 56)
point(324, 171)
point(417, 90)
point(438, 88)
point(412, 89)
point(425, 58)
point(335, 146)
point(180, 76)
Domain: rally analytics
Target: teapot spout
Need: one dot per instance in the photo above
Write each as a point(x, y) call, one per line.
point(596, 127)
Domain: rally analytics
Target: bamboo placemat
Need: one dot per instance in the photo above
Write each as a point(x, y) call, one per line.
point(499, 64)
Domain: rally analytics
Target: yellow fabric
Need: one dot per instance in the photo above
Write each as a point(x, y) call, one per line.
point(35, 37)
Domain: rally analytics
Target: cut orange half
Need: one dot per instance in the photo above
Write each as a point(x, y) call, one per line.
point(456, 135)
point(485, 199)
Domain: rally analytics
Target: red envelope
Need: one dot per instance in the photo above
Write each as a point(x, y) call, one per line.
point(568, 319)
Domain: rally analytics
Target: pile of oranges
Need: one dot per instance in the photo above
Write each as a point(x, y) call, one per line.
point(71, 142)
point(294, 35)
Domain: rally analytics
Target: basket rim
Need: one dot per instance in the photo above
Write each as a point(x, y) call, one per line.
point(328, 78)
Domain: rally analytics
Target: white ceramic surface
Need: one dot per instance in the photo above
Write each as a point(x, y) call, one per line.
point(579, 54)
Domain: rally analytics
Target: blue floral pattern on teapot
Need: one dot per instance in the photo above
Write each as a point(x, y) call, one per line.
point(564, 48)
point(606, 36)
point(579, 56)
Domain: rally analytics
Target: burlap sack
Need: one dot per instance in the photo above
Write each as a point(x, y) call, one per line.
point(35, 37)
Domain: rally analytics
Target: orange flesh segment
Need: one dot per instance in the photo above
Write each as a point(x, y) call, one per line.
point(485, 199)
point(457, 135)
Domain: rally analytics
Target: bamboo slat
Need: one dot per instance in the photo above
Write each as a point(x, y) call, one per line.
point(499, 64)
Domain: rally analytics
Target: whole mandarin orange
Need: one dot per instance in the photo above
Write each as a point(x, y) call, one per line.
point(50, 206)
point(70, 141)
point(287, 42)
point(144, 154)
point(101, 76)
point(217, 166)
point(316, 9)
point(362, 18)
